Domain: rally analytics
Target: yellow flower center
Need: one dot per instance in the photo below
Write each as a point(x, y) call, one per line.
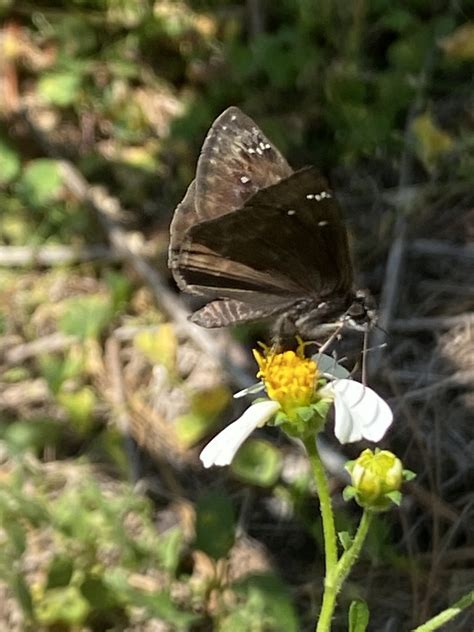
point(289, 377)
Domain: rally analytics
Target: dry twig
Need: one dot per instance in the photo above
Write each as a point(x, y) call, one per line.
point(30, 256)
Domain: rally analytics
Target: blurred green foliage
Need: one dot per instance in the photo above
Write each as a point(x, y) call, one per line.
point(94, 540)
point(131, 87)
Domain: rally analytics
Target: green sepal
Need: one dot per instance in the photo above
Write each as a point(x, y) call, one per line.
point(349, 466)
point(305, 413)
point(349, 493)
point(321, 407)
point(408, 475)
point(345, 539)
point(395, 497)
point(279, 419)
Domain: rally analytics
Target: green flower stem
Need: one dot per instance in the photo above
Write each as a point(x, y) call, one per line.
point(336, 570)
point(341, 572)
point(327, 609)
point(329, 531)
point(448, 614)
point(350, 556)
point(322, 488)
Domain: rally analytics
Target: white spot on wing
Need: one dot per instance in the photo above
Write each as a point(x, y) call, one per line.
point(323, 223)
point(324, 195)
point(244, 179)
point(291, 211)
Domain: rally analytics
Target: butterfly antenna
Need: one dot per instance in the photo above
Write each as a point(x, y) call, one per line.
point(330, 339)
point(381, 329)
point(364, 363)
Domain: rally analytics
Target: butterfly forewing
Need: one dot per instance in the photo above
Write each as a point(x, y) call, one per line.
point(236, 161)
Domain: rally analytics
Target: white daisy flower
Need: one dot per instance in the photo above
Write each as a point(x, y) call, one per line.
point(291, 380)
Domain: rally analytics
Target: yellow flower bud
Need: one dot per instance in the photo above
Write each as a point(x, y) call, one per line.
point(376, 479)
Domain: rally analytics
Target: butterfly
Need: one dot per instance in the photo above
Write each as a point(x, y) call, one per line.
point(258, 240)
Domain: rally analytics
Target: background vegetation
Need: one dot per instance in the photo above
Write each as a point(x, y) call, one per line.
point(108, 521)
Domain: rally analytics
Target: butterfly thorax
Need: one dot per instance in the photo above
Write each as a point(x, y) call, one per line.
point(311, 317)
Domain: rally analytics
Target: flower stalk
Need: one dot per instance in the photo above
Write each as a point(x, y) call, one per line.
point(298, 399)
point(336, 570)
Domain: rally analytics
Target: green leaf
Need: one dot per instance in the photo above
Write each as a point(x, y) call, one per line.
point(192, 427)
point(22, 592)
point(21, 436)
point(210, 402)
point(63, 605)
point(9, 163)
point(358, 616)
point(80, 407)
point(215, 525)
point(158, 346)
point(257, 463)
point(159, 605)
point(59, 88)
point(345, 539)
point(431, 141)
point(60, 572)
point(120, 289)
point(40, 182)
point(169, 549)
point(98, 594)
point(205, 407)
point(57, 370)
point(267, 601)
point(87, 316)
point(16, 536)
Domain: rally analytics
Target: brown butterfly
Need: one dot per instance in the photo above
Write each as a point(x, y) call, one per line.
point(258, 240)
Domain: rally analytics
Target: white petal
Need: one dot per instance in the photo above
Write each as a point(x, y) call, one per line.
point(222, 449)
point(250, 390)
point(327, 364)
point(360, 412)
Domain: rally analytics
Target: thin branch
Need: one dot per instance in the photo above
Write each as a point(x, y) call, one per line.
point(31, 256)
point(442, 249)
point(461, 378)
point(46, 344)
point(404, 325)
